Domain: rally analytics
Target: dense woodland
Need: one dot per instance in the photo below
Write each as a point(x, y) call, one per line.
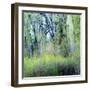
point(51, 44)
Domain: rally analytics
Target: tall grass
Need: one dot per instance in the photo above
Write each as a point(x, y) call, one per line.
point(50, 65)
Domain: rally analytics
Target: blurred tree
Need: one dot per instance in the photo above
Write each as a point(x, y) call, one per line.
point(60, 32)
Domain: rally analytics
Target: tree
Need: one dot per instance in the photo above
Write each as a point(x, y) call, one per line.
point(58, 31)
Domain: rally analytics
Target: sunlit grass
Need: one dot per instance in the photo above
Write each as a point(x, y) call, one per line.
point(50, 65)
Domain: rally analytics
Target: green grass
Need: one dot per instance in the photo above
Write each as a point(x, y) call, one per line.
point(50, 65)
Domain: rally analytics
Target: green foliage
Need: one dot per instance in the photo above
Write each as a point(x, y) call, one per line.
point(51, 44)
point(49, 65)
point(76, 25)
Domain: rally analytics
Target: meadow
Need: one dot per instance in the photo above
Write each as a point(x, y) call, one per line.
point(50, 65)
